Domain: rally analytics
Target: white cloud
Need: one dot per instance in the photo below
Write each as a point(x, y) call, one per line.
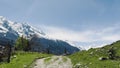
point(104, 36)
point(66, 34)
point(111, 38)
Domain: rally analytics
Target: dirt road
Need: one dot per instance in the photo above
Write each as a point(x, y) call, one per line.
point(53, 62)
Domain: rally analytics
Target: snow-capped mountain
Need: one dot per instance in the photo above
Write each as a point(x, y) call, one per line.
point(12, 30)
point(18, 29)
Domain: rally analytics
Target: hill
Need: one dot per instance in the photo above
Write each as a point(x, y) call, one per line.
point(104, 57)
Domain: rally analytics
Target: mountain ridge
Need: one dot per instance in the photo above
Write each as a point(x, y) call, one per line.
point(13, 30)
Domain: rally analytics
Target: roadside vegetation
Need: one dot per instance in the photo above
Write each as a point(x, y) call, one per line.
point(104, 57)
point(47, 59)
point(23, 59)
point(64, 59)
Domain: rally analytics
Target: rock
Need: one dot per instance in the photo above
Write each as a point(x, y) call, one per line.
point(102, 58)
point(25, 66)
point(91, 53)
point(14, 56)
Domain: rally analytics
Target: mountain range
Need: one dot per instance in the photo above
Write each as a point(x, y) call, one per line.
point(10, 31)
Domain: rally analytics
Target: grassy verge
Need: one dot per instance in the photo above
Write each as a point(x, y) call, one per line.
point(84, 60)
point(90, 58)
point(64, 59)
point(47, 59)
point(23, 60)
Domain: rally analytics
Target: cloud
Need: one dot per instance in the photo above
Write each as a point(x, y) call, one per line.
point(66, 34)
point(85, 39)
point(107, 34)
point(111, 38)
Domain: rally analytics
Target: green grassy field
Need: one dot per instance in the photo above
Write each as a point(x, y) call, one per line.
point(90, 58)
point(23, 60)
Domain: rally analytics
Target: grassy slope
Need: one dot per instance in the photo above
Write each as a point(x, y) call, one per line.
point(91, 57)
point(23, 60)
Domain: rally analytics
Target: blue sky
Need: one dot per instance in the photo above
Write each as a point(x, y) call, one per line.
point(84, 13)
point(74, 20)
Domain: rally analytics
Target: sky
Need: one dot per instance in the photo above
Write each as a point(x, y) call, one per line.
point(89, 23)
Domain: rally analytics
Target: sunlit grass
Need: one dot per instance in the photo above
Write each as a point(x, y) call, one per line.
point(23, 60)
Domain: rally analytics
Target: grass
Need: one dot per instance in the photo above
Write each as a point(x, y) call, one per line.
point(47, 59)
point(91, 57)
point(23, 60)
point(64, 59)
point(56, 59)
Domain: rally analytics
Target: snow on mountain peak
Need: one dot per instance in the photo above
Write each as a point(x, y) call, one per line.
point(1, 17)
point(18, 29)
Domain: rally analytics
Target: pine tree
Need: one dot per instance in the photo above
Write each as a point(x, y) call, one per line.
point(9, 47)
point(22, 44)
point(47, 50)
point(65, 51)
